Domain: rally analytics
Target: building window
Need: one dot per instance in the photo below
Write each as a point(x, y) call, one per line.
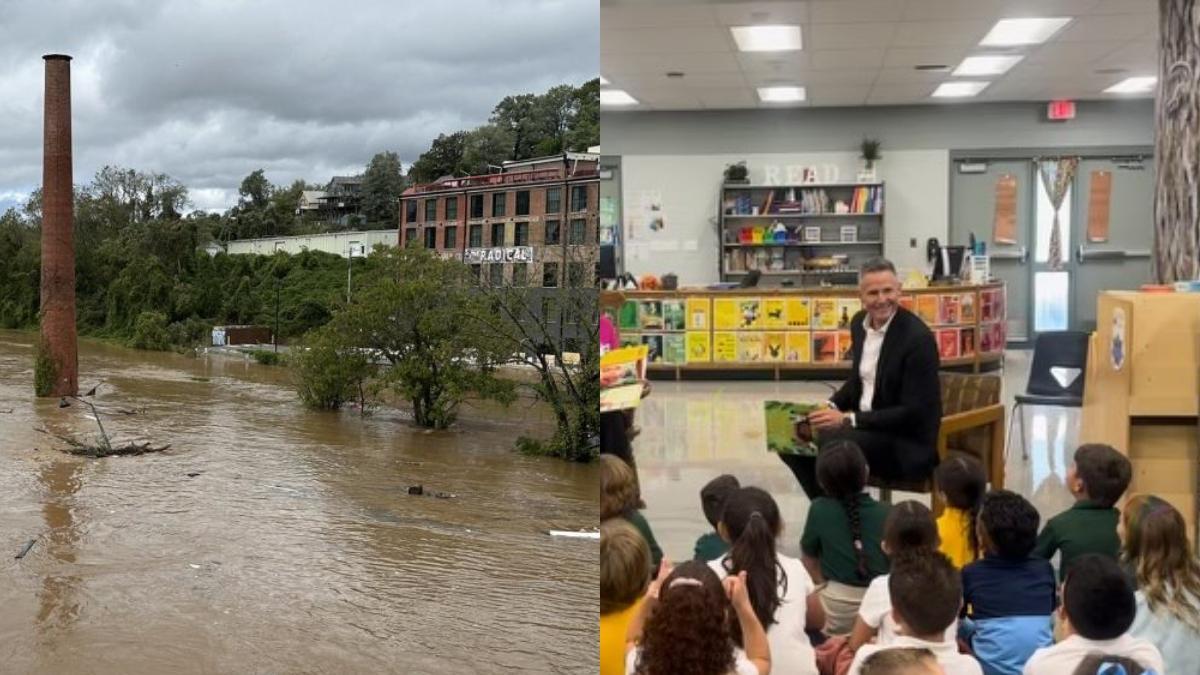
point(410, 235)
point(553, 200)
point(430, 210)
point(578, 231)
point(575, 274)
point(476, 206)
point(476, 272)
point(579, 198)
point(496, 274)
point(499, 204)
point(431, 237)
point(410, 211)
point(497, 234)
point(521, 234)
point(523, 203)
point(476, 236)
point(450, 237)
point(552, 232)
point(549, 310)
point(550, 275)
point(451, 208)
point(520, 274)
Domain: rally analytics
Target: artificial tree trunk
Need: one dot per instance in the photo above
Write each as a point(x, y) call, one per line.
point(1177, 143)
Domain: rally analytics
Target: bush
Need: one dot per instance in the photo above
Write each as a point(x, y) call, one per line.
point(150, 332)
point(267, 357)
point(327, 373)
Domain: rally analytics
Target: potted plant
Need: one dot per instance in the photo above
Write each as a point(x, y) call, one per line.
point(737, 173)
point(870, 155)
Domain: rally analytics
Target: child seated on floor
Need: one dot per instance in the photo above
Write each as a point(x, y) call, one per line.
point(926, 594)
point(624, 575)
point(710, 545)
point(843, 533)
point(1166, 574)
point(901, 661)
point(619, 498)
point(1097, 478)
point(961, 482)
point(1009, 594)
point(909, 529)
point(1103, 664)
point(1097, 611)
point(782, 593)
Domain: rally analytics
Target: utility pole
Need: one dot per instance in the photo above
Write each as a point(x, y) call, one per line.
point(275, 334)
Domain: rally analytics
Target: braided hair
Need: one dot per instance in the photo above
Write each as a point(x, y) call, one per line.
point(964, 482)
point(751, 519)
point(842, 474)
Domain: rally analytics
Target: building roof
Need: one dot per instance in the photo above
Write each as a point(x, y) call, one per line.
point(564, 169)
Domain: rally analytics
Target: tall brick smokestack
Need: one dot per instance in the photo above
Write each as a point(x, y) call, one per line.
point(58, 237)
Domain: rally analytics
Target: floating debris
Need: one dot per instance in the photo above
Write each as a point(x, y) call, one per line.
point(570, 534)
point(420, 491)
point(25, 549)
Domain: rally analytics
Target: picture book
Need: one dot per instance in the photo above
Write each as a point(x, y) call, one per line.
point(698, 310)
point(846, 311)
point(673, 314)
point(908, 302)
point(799, 313)
point(999, 336)
point(774, 313)
point(949, 313)
point(985, 339)
point(655, 343)
point(845, 346)
point(773, 346)
point(674, 349)
point(725, 314)
point(788, 431)
point(651, 315)
point(627, 317)
point(824, 347)
point(825, 313)
point(987, 309)
point(966, 342)
point(749, 313)
point(799, 348)
point(621, 374)
point(725, 347)
point(966, 308)
point(948, 343)
point(631, 339)
point(927, 308)
point(698, 348)
point(750, 347)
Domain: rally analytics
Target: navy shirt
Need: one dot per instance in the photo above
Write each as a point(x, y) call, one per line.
point(1009, 605)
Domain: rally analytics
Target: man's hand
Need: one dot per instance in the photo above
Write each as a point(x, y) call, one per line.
point(827, 418)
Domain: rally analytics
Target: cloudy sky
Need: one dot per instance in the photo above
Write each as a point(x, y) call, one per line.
point(209, 90)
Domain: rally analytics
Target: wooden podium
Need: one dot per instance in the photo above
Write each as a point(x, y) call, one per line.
point(1142, 393)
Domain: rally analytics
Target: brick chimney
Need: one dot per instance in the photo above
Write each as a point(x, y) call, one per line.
point(58, 232)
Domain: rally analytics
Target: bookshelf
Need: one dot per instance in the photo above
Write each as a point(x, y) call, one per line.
point(815, 232)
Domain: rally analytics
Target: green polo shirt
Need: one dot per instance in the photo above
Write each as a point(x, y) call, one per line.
point(710, 547)
point(827, 538)
point(638, 521)
point(1086, 527)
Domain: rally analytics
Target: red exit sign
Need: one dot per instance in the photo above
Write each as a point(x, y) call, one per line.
point(1060, 110)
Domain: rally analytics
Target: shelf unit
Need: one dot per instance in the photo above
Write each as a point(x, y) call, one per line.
point(779, 258)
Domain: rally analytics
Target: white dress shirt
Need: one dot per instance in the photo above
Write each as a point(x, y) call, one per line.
point(869, 364)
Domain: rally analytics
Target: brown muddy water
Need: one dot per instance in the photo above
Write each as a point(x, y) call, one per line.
point(296, 548)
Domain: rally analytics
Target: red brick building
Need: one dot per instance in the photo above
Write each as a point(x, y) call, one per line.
point(533, 223)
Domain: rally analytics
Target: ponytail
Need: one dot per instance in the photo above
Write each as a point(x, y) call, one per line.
point(851, 506)
point(842, 473)
point(751, 519)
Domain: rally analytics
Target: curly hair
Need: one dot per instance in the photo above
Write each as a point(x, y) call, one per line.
point(689, 631)
point(1157, 550)
point(618, 488)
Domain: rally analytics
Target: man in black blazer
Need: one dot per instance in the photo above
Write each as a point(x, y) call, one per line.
point(891, 405)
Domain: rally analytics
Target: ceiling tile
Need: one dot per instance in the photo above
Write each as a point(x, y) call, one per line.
point(909, 76)
point(1136, 57)
point(1071, 53)
point(1108, 27)
point(777, 63)
point(909, 57)
point(845, 11)
point(726, 97)
point(853, 76)
point(994, 10)
point(849, 35)
point(660, 16)
point(939, 33)
point(678, 40)
point(660, 64)
point(841, 59)
point(755, 13)
point(1125, 7)
point(882, 94)
point(837, 95)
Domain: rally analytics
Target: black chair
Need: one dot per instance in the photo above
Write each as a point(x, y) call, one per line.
point(1055, 378)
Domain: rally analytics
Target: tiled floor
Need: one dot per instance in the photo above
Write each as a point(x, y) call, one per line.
point(693, 431)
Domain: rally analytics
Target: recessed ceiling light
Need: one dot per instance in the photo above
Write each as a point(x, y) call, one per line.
point(1010, 32)
point(781, 94)
point(960, 89)
point(991, 64)
point(767, 38)
point(1133, 85)
point(616, 97)
point(602, 80)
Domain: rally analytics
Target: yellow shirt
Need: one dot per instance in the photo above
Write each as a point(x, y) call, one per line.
point(612, 639)
point(953, 529)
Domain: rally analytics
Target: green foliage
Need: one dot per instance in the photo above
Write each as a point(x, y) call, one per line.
point(328, 373)
point(267, 357)
point(44, 372)
point(150, 332)
point(444, 157)
point(383, 182)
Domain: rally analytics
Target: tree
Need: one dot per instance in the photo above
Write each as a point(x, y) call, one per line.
point(516, 114)
point(585, 127)
point(554, 115)
point(382, 184)
point(443, 158)
point(255, 190)
point(328, 372)
point(486, 146)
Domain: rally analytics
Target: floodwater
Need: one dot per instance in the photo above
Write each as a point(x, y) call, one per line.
point(296, 548)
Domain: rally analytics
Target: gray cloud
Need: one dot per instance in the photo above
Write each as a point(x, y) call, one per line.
point(209, 90)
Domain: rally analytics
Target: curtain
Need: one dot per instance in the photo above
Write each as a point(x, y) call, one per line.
point(1056, 178)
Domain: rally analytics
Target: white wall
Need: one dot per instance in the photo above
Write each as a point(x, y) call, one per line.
point(334, 242)
point(916, 205)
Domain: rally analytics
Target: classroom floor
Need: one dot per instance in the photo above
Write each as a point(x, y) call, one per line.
point(693, 431)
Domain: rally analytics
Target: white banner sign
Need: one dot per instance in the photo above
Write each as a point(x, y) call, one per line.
point(511, 254)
